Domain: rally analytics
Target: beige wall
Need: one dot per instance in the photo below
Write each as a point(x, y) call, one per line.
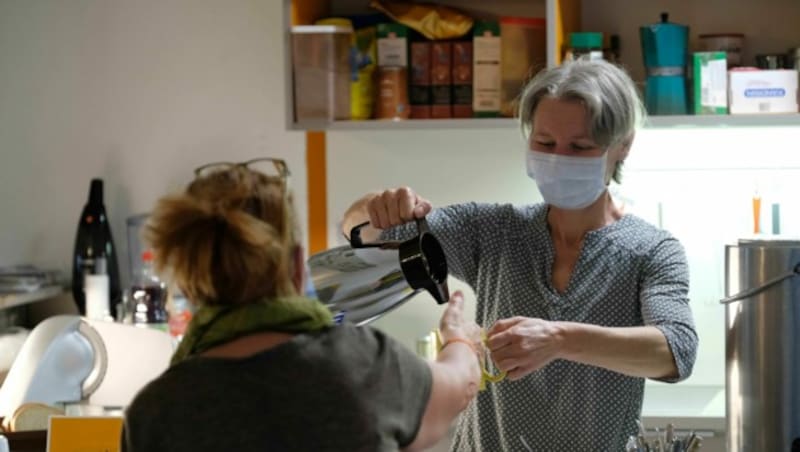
point(137, 93)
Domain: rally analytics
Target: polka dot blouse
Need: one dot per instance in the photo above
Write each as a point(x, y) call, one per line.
point(628, 273)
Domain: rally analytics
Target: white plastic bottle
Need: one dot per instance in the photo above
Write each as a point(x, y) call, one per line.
point(96, 290)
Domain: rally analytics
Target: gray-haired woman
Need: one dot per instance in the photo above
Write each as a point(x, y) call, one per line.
point(582, 302)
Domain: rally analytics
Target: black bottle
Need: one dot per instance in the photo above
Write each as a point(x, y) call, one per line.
point(93, 240)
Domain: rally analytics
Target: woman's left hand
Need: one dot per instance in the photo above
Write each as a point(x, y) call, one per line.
point(521, 345)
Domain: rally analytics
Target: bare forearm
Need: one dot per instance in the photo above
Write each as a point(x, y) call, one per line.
point(637, 351)
point(457, 363)
point(456, 376)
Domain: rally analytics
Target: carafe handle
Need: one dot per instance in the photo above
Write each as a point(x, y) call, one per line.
point(355, 238)
point(422, 226)
point(356, 241)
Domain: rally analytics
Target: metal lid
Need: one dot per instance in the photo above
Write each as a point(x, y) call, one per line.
point(586, 40)
point(320, 29)
point(777, 240)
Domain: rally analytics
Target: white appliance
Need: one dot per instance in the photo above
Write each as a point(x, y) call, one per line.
point(74, 360)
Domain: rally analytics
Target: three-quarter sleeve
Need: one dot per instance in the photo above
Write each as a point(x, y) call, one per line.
point(664, 299)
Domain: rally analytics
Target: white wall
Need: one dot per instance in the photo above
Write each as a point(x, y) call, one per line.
point(137, 93)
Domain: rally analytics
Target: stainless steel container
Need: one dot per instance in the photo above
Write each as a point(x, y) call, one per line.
point(358, 285)
point(762, 321)
point(794, 58)
point(363, 281)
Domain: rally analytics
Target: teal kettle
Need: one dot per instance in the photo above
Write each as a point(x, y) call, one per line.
point(664, 50)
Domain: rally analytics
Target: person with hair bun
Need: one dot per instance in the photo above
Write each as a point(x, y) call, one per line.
point(261, 367)
point(581, 300)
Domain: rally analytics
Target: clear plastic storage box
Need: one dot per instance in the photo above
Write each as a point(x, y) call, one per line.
point(321, 71)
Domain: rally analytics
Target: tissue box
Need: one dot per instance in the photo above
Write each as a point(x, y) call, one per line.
point(762, 91)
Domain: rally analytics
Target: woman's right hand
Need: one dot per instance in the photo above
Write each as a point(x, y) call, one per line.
point(453, 324)
point(396, 206)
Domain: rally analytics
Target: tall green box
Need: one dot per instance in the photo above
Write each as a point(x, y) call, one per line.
point(710, 72)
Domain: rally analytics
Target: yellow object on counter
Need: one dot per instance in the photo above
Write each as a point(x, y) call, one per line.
point(84, 433)
point(486, 376)
point(433, 21)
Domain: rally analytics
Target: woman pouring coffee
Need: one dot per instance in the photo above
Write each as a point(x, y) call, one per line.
point(582, 302)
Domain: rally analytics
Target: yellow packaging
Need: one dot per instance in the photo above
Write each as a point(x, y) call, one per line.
point(433, 21)
point(363, 63)
point(362, 90)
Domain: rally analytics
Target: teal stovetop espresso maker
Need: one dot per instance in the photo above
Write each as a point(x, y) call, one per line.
point(664, 49)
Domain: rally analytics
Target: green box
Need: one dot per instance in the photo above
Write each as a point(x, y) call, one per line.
point(710, 72)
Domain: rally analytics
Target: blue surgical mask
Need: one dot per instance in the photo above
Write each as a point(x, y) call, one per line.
point(565, 181)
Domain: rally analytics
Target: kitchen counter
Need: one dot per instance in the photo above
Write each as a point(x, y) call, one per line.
point(19, 299)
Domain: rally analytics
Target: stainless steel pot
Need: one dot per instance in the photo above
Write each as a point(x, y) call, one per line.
point(762, 345)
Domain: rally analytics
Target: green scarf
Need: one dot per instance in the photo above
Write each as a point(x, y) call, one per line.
point(215, 325)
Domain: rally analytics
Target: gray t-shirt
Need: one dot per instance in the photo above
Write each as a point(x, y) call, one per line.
point(343, 389)
point(629, 273)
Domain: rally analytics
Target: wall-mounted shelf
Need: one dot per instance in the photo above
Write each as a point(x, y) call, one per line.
point(410, 124)
point(688, 121)
point(653, 122)
point(769, 26)
point(19, 299)
point(619, 17)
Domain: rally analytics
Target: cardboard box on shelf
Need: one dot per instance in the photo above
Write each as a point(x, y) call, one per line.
point(442, 79)
point(523, 54)
point(486, 51)
point(420, 82)
point(462, 79)
point(710, 75)
point(762, 91)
